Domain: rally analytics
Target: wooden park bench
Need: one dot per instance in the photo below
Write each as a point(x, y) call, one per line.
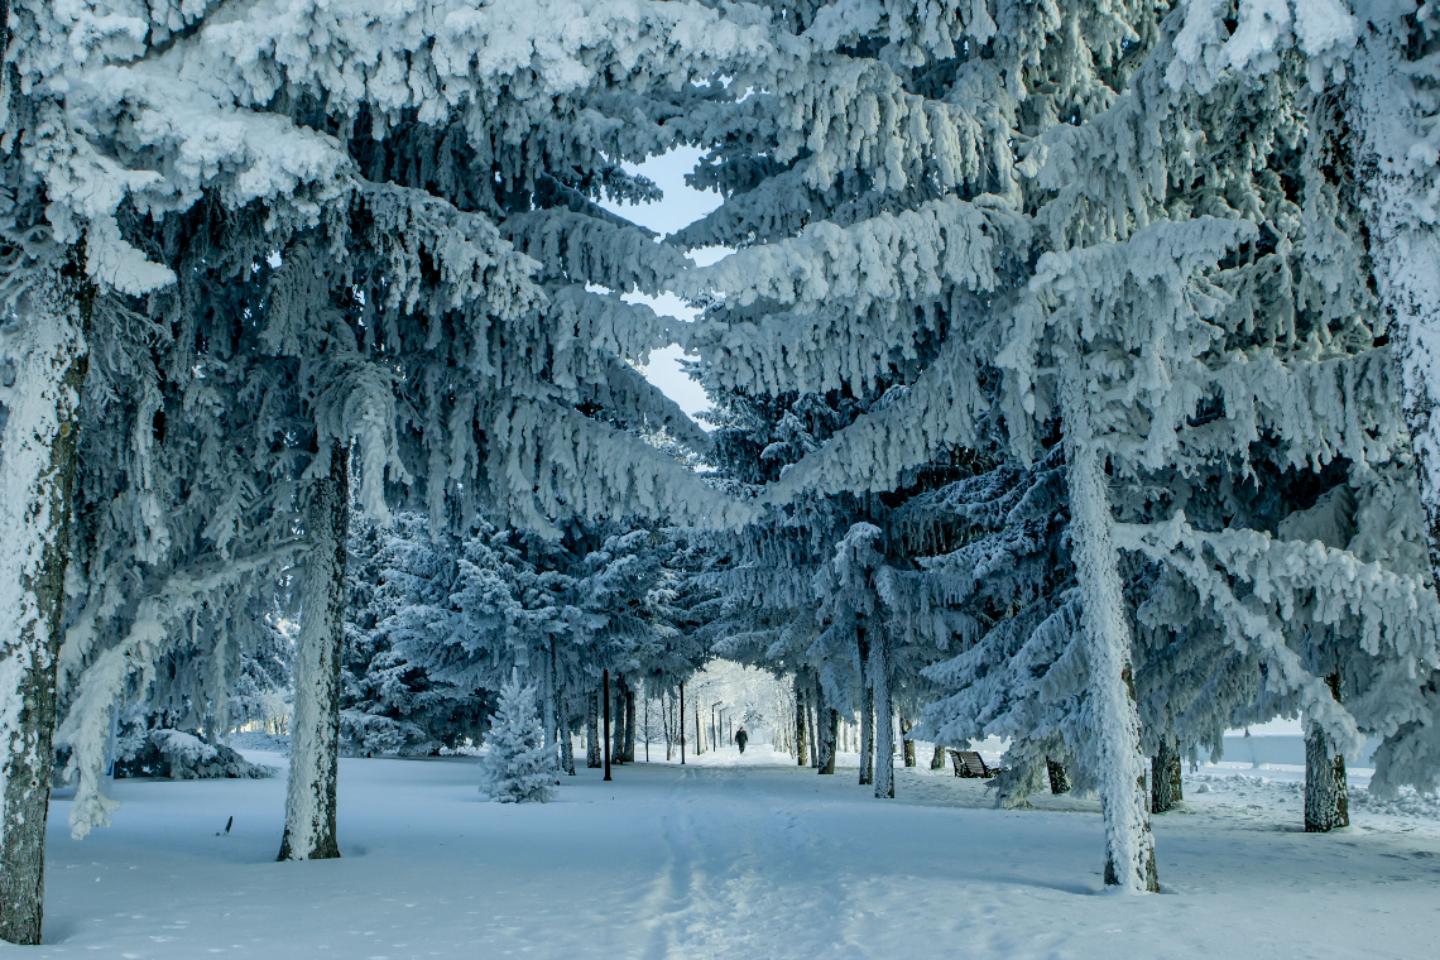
point(968, 763)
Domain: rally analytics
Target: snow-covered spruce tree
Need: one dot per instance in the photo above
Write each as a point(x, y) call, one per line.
point(766, 611)
point(1371, 92)
point(997, 576)
point(1124, 332)
point(400, 584)
point(518, 767)
point(1372, 104)
point(184, 58)
point(914, 244)
point(848, 587)
point(260, 689)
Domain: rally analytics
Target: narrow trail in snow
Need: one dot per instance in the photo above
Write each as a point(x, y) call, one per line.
point(724, 898)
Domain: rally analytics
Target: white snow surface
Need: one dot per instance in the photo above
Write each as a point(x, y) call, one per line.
point(723, 860)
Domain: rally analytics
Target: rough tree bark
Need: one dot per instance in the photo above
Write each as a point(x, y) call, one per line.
point(665, 723)
point(907, 745)
point(937, 759)
point(315, 730)
point(629, 723)
point(605, 733)
point(1129, 843)
point(617, 736)
point(1327, 794)
point(43, 365)
point(699, 733)
point(884, 719)
point(802, 753)
point(592, 732)
point(1166, 776)
point(567, 748)
point(1059, 779)
point(829, 729)
point(867, 710)
point(550, 710)
point(812, 718)
point(555, 722)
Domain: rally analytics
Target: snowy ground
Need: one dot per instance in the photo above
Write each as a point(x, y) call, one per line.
point(754, 862)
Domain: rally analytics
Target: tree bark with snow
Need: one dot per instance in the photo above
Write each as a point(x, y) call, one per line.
point(828, 733)
point(802, 752)
point(550, 708)
point(1327, 793)
point(617, 734)
point(1166, 776)
point(884, 721)
point(1129, 844)
point(867, 710)
point(567, 749)
point(1395, 168)
point(1059, 779)
point(665, 723)
point(699, 733)
point(42, 368)
point(592, 732)
point(315, 730)
point(605, 730)
point(629, 723)
point(907, 745)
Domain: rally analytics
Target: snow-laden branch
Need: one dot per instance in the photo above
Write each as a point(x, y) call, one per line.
point(154, 629)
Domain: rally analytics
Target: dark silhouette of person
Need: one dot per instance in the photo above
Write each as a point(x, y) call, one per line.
point(741, 738)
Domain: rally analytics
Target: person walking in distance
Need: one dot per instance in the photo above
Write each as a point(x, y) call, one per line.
point(741, 738)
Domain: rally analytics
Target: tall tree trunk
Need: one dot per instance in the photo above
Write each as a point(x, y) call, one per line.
point(647, 721)
point(1327, 794)
point(937, 759)
point(1166, 776)
point(567, 745)
point(665, 722)
point(829, 725)
point(801, 752)
point(551, 710)
point(829, 728)
point(617, 732)
point(605, 733)
point(699, 733)
point(681, 725)
point(315, 731)
point(867, 710)
point(1129, 843)
point(884, 719)
point(907, 745)
point(617, 737)
point(812, 717)
point(44, 365)
point(1385, 122)
point(629, 724)
point(1059, 779)
point(592, 732)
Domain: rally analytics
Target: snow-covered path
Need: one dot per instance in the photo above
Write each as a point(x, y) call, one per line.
point(720, 861)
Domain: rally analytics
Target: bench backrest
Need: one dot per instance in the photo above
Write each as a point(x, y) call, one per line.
point(970, 762)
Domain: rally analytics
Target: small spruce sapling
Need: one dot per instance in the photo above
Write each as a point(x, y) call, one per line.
point(519, 767)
